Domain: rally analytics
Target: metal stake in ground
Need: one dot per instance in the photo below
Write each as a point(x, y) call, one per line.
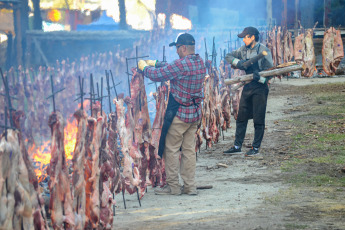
point(8, 98)
point(114, 86)
point(206, 54)
point(108, 89)
point(82, 94)
point(128, 74)
point(53, 92)
point(92, 94)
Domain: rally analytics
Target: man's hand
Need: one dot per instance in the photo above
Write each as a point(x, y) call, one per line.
point(258, 78)
point(151, 62)
point(142, 64)
point(238, 64)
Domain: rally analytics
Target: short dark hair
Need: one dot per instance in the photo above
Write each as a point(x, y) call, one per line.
point(257, 37)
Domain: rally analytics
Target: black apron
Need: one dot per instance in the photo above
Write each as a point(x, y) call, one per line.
point(253, 88)
point(170, 113)
point(252, 106)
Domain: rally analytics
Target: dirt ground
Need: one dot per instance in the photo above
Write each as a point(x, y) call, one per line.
point(249, 193)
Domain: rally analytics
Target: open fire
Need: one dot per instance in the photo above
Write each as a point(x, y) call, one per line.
point(41, 154)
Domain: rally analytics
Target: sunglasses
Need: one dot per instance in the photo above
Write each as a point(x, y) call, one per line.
point(178, 46)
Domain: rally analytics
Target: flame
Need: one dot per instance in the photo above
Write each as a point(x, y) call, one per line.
point(42, 155)
point(70, 132)
point(139, 14)
point(179, 22)
point(161, 20)
point(86, 104)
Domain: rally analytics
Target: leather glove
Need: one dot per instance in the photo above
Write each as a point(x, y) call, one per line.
point(151, 62)
point(142, 64)
point(258, 78)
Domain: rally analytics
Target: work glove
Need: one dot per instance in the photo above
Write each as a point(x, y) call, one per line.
point(151, 62)
point(238, 64)
point(258, 78)
point(142, 64)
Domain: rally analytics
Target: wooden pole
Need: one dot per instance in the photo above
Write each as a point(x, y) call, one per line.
point(269, 13)
point(267, 73)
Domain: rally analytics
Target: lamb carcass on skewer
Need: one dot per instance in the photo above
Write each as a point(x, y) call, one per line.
point(309, 54)
point(39, 213)
point(155, 164)
point(332, 50)
point(61, 200)
point(130, 175)
point(78, 181)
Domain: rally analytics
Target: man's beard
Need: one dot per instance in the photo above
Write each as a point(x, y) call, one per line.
point(250, 44)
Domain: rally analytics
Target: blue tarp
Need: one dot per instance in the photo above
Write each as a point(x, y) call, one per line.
point(104, 23)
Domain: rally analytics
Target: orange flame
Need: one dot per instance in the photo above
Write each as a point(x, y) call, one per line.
point(179, 22)
point(41, 155)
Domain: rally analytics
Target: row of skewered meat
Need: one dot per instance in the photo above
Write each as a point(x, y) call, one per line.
point(302, 51)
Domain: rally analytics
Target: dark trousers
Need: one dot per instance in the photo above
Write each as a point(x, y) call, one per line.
point(252, 106)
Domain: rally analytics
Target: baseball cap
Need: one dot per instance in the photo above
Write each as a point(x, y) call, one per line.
point(183, 39)
point(248, 30)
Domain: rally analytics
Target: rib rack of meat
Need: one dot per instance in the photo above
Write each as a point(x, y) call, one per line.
point(130, 175)
point(156, 165)
point(107, 174)
point(39, 215)
point(78, 181)
point(332, 50)
point(206, 112)
point(16, 206)
point(287, 46)
point(61, 200)
point(224, 70)
point(236, 94)
point(142, 131)
point(114, 153)
point(304, 51)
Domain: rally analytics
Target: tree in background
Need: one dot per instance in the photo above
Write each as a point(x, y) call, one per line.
point(122, 9)
point(37, 15)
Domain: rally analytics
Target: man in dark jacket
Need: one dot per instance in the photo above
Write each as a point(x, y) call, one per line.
point(182, 115)
point(254, 95)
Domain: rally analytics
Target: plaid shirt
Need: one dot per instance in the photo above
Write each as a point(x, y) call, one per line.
point(186, 77)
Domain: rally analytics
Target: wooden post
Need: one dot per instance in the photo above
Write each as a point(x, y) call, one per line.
point(284, 14)
point(122, 8)
point(269, 13)
point(327, 10)
point(296, 17)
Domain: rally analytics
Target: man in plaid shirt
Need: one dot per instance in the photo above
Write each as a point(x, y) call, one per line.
point(182, 115)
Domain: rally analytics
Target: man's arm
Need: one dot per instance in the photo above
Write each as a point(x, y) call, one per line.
point(230, 57)
point(166, 73)
point(267, 61)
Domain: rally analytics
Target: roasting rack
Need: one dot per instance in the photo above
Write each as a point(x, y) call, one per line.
point(54, 92)
point(81, 94)
point(136, 59)
point(9, 104)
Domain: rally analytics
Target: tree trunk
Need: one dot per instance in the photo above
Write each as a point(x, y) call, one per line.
point(37, 15)
point(122, 9)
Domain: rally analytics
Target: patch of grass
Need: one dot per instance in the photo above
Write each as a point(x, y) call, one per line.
point(332, 137)
point(288, 166)
point(303, 179)
point(295, 226)
point(330, 159)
